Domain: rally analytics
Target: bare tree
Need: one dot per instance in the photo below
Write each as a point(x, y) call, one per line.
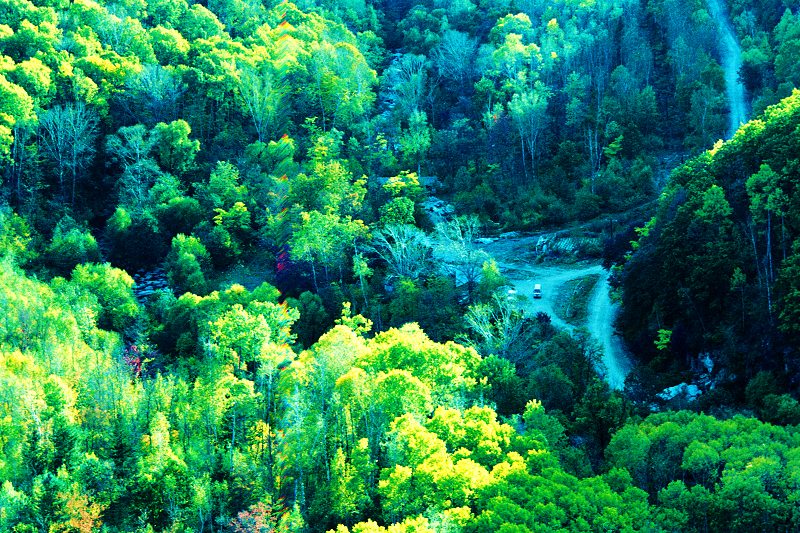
point(529, 111)
point(455, 56)
point(131, 147)
point(263, 98)
point(405, 248)
point(408, 79)
point(154, 95)
point(500, 328)
point(67, 135)
point(459, 251)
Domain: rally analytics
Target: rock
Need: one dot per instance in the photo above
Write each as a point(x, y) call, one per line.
point(682, 390)
point(707, 362)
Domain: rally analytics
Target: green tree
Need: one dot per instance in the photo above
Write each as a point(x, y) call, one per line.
point(114, 291)
point(406, 249)
point(262, 93)
point(132, 148)
point(174, 150)
point(459, 249)
point(416, 140)
point(767, 199)
point(16, 105)
point(324, 239)
point(71, 245)
point(187, 264)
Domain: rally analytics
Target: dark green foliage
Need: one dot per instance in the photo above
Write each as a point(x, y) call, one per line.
point(506, 387)
point(70, 246)
point(710, 265)
point(187, 264)
point(314, 319)
point(711, 474)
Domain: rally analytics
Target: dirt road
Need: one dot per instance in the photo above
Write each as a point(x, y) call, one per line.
point(731, 54)
point(516, 261)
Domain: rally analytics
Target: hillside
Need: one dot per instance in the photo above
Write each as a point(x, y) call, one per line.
point(247, 284)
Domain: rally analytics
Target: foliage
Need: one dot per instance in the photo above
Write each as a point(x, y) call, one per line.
point(257, 167)
point(710, 273)
point(710, 473)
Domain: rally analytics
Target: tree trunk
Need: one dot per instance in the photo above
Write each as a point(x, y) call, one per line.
point(72, 201)
point(314, 274)
point(771, 274)
point(364, 293)
point(783, 236)
point(755, 253)
point(61, 179)
point(769, 247)
point(233, 435)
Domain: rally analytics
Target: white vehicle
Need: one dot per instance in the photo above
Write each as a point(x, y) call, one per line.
point(537, 291)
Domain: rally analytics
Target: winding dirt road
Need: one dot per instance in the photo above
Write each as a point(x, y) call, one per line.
point(515, 258)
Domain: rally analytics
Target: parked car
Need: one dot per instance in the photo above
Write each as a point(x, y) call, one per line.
point(537, 291)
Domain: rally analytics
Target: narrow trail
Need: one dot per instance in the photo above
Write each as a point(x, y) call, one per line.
point(602, 312)
point(512, 256)
point(731, 54)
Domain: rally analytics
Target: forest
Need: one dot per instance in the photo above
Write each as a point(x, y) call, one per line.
point(246, 282)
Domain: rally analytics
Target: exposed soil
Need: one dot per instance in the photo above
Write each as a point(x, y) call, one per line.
point(516, 260)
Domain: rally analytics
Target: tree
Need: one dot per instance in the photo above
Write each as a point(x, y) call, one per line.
point(492, 281)
point(263, 96)
point(789, 282)
point(114, 291)
point(15, 237)
point(187, 263)
point(351, 475)
point(341, 82)
point(330, 186)
point(458, 247)
point(397, 212)
point(362, 271)
point(224, 188)
point(766, 199)
point(405, 249)
point(67, 135)
point(132, 148)
point(238, 338)
point(499, 328)
point(71, 245)
point(529, 111)
point(416, 140)
point(16, 106)
point(454, 56)
point(155, 92)
point(260, 518)
point(408, 79)
point(174, 150)
point(707, 115)
point(324, 239)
